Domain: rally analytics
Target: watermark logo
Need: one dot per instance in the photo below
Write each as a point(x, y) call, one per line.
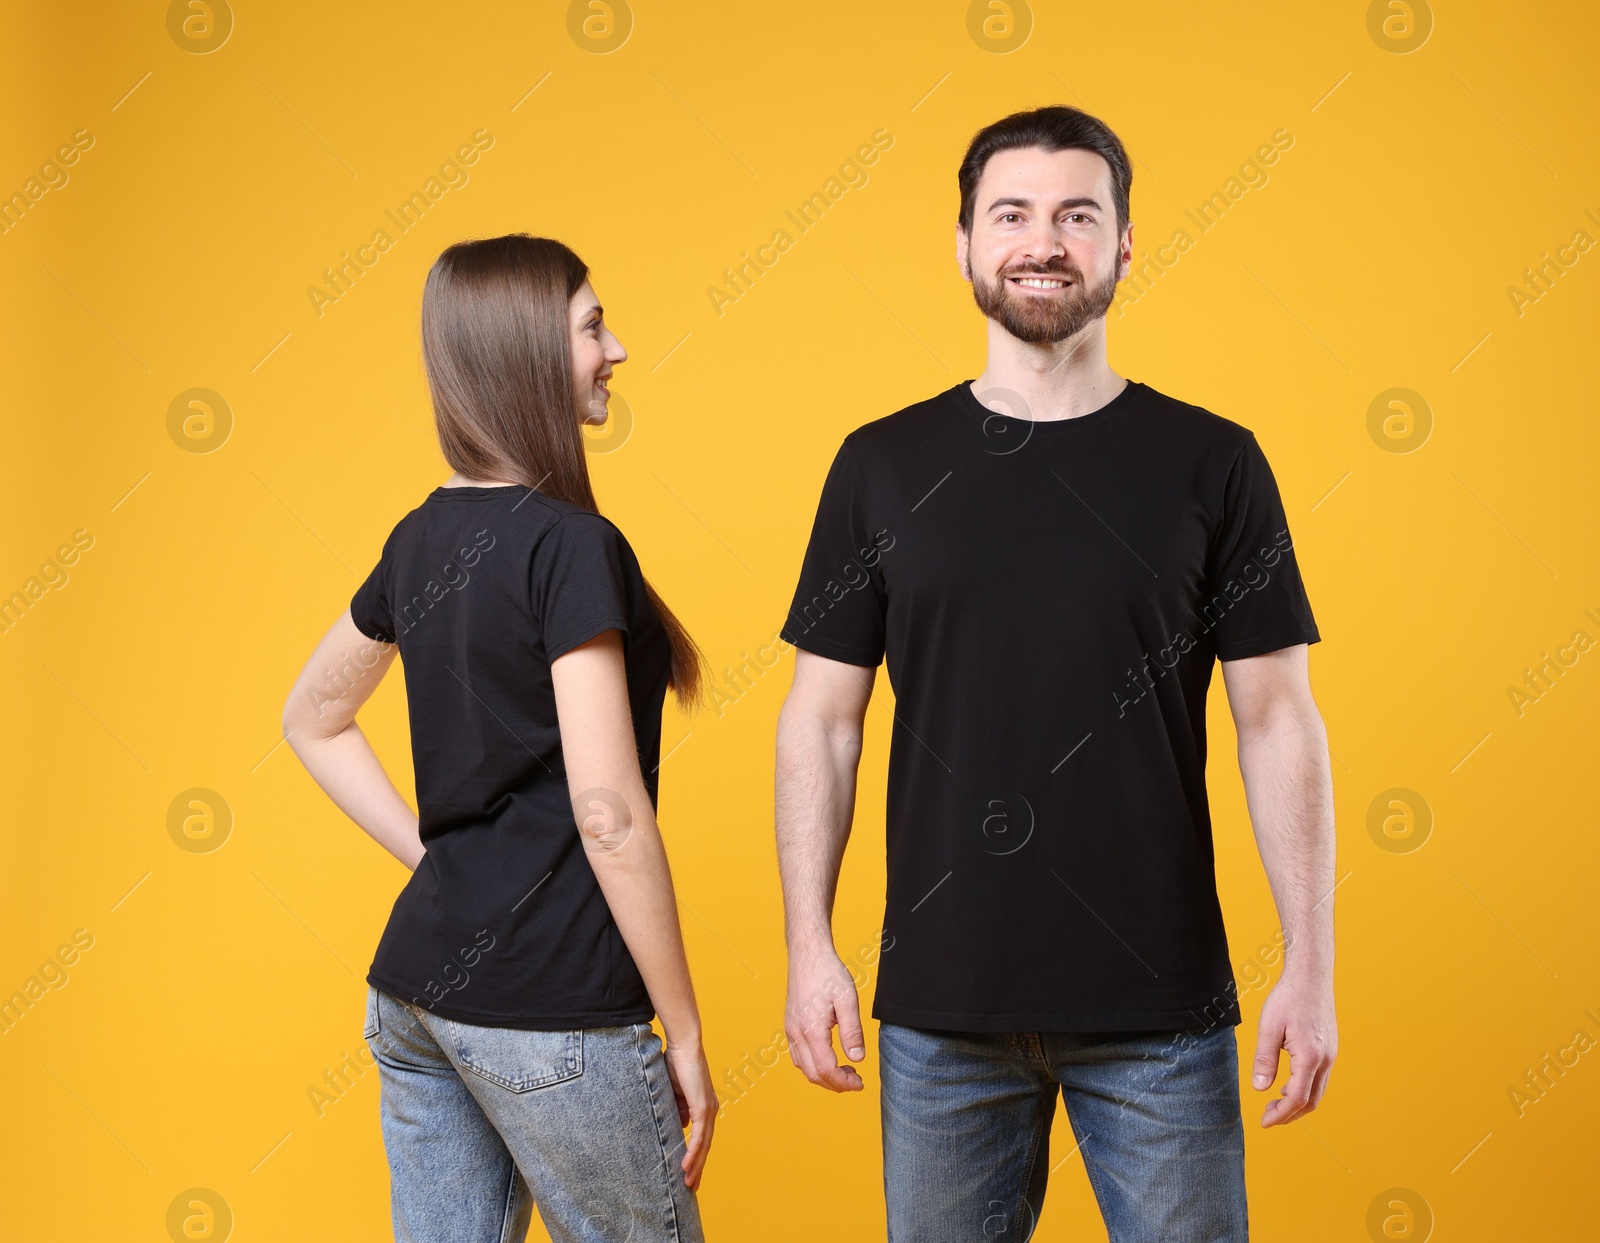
point(1399, 420)
point(999, 26)
point(1006, 828)
point(1005, 430)
point(599, 26)
point(199, 26)
point(605, 822)
point(1399, 1213)
point(611, 435)
point(199, 1213)
point(1400, 820)
point(1399, 26)
point(199, 820)
point(199, 420)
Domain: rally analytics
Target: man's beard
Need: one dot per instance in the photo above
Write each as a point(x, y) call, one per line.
point(1041, 320)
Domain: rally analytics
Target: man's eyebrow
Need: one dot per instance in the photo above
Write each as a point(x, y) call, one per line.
point(1077, 202)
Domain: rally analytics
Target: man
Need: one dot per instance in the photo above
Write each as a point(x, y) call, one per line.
point(1051, 557)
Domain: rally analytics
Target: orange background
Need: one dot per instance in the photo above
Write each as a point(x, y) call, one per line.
point(172, 1060)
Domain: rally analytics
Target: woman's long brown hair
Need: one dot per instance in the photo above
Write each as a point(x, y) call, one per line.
point(495, 344)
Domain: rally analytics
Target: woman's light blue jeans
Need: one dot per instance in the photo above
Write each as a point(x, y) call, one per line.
point(482, 1124)
point(966, 1132)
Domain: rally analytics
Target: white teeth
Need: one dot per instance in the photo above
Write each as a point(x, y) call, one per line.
point(1034, 282)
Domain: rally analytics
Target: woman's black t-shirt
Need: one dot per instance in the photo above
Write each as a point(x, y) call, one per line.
point(503, 923)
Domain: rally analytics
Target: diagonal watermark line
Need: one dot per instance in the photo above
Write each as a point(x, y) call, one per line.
point(896, 318)
point(271, 352)
point(129, 894)
point(932, 89)
point(1332, 89)
point(1108, 927)
point(932, 490)
point(713, 932)
point(708, 129)
point(1507, 526)
point(496, 716)
point(1470, 353)
point(670, 352)
point(304, 925)
point(1508, 129)
point(274, 1148)
point(131, 90)
point(270, 753)
point(934, 890)
point(1106, 525)
point(534, 890)
point(705, 524)
point(531, 491)
point(670, 754)
point(298, 117)
point(96, 1117)
point(1074, 750)
point(1068, 1156)
point(96, 716)
point(1330, 1151)
point(97, 319)
point(1333, 489)
point(303, 523)
point(1335, 888)
point(1297, 319)
point(1472, 752)
point(1475, 1148)
point(532, 89)
point(133, 489)
point(1504, 925)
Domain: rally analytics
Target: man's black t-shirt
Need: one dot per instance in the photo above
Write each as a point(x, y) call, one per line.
point(1050, 598)
point(503, 923)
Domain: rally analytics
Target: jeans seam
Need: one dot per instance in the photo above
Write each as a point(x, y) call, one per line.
point(1033, 1155)
point(661, 1139)
point(508, 1215)
point(1094, 1182)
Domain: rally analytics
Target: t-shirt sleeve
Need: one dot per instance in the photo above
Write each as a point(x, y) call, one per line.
point(839, 604)
point(1255, 601)
point(580, 584)
point(369, 607)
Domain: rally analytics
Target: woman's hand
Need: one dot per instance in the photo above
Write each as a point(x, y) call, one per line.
point(697, 1105)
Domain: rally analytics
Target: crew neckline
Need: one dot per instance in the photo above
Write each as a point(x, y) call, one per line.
point(474, 491)
point(1049, 427)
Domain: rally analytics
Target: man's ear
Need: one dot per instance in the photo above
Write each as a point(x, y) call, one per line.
point(963, 243)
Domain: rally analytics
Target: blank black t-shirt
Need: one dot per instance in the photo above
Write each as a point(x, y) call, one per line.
point(503, 923)
point(1050, 598)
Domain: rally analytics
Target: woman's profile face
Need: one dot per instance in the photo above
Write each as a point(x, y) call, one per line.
point(594, 352)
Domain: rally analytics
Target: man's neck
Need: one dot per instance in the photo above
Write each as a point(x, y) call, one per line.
point(1060, 380)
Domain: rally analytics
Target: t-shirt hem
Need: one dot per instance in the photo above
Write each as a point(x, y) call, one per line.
point(1054, 1021)
point(833, 651)
point(1260, 646)
point(381, 637)
point(599, 626)
point(563, 1021)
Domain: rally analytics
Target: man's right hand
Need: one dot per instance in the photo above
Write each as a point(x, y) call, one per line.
point(822, 995)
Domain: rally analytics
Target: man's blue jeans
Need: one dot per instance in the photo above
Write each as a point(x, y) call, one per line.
point(966, 1132)
point(482, 1124)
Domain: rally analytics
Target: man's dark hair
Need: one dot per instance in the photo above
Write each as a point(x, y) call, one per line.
point(1054, 129)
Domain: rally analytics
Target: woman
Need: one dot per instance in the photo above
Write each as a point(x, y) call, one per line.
point(510, 999)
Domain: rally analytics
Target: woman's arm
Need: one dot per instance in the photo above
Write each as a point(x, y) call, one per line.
point(319, 724)
point(624, 847)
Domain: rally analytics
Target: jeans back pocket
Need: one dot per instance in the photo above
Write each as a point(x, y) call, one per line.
point(517, 1060)
point(374, 1023)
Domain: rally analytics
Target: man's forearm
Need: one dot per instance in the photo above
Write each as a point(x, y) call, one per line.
point(816, 790)
point(1289, 789)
